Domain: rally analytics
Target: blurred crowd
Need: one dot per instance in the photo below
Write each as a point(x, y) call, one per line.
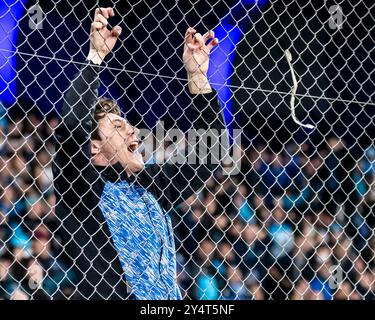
point(295, 224)
point(30, 265)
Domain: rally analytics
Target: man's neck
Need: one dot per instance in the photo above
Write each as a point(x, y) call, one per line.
point(100, 161)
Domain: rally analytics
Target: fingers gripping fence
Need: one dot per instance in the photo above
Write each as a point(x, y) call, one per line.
point(290, 215)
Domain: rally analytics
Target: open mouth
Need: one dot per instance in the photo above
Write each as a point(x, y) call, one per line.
point(133, 146)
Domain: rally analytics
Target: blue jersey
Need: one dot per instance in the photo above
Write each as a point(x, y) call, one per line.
point(143, 236)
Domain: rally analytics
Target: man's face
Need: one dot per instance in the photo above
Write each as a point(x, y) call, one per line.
point(119, 143)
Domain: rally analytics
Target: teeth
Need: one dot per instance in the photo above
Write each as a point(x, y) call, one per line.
point(133, 146)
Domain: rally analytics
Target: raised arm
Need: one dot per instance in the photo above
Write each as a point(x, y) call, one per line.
point(171, 183)
point(73, 150)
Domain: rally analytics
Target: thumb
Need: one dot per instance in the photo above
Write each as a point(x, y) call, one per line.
point(116, 31)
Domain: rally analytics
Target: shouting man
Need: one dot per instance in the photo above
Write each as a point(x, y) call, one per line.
point(112, 206)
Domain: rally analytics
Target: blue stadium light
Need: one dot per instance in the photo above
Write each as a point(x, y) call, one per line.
point(230, 32)
point(10, 13)
point(260, 3)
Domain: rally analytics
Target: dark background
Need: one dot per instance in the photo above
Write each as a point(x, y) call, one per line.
point(330, 63)
point(338, 64)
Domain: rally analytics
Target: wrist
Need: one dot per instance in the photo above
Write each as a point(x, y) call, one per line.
point(198, 83)
point(95, 57)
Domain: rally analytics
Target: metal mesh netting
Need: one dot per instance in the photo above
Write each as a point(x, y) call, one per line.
point(293, 219)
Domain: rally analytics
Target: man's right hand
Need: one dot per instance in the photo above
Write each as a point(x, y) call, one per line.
point(102, 40)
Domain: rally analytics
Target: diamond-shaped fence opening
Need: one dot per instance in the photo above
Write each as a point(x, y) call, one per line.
point(285, 210)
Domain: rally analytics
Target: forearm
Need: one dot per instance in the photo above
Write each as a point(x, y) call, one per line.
point(198, 83)
point(81, 98)
point(207, 115)
point(206, 112)
point(95, 57)
point(74, 131)
point(206, 109)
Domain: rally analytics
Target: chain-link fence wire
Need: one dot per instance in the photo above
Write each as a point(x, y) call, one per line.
point(296, 221)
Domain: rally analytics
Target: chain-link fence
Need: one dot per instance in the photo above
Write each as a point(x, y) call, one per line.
point(289, 215)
